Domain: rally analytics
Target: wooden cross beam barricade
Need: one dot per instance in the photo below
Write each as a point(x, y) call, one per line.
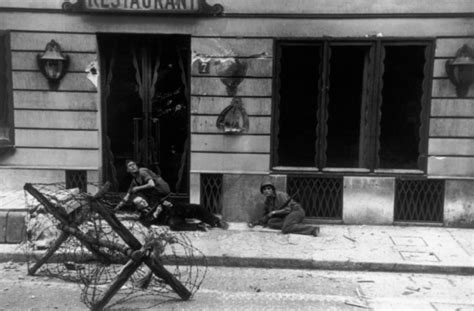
point(65, 220)
point(136, 252)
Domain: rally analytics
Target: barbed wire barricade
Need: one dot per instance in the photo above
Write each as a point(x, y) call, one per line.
point(75, 236)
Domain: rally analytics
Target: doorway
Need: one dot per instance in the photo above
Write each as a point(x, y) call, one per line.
point(145, 107)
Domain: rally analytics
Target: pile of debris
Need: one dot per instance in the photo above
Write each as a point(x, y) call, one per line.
point(76, 236)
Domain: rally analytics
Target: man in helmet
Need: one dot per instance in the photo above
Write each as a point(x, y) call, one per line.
point(282, 212)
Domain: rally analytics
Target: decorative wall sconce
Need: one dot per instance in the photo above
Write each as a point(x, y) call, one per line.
point(460, 70)
point(52, 63)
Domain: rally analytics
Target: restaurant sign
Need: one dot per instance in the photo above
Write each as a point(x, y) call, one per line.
point(199, 7)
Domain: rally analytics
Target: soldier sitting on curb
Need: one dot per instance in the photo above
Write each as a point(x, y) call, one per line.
point(149, 192)
point(282, 212)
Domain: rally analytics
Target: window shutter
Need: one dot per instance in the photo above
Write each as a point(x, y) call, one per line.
point(6, 107)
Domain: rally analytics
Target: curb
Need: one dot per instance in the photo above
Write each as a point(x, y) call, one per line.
point(15, 255)
point(291, 263)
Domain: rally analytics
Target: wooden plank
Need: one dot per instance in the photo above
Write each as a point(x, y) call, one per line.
point(441, 146)
point(207, 124)
point(230, 143)
point(448, 47)
point(55, 100)
point(452, 107)
point(69, 42)
point(36, 81)
point(218, 162)
point(242, 47)
point(452, 127)
point(53, 157)
point(256, 67)
point(451, 166)
point(215, 105)
point(439, 70)
point(214, 86)
point(56, 138)
point(28, 61)
point(56, 119)
point(238, 27)
point(444, 88)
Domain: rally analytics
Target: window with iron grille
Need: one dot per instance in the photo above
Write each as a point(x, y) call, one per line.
point(76, 179)
point(357, 104)
point(6, 102)
point(419, 200)
point(320, 197)
point(211, 192)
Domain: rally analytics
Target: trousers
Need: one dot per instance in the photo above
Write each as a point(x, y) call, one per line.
point(291, 223)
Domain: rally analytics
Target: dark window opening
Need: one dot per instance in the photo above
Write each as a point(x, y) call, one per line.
point(6, 102)
point(351, 104)
point(344, 106)
point(298, 103)
point(401, 106)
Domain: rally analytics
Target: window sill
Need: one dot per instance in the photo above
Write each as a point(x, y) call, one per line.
point(398, 171)
point(355, 171)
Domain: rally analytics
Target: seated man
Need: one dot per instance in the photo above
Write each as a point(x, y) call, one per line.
point(148, 192)
point(282, 212)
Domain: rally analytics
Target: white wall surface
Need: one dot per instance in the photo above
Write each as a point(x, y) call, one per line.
point(302, 6)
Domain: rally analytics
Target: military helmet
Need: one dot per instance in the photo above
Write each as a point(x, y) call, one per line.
point(267, 183)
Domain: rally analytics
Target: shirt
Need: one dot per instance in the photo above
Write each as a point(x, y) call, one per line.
point(144, 175)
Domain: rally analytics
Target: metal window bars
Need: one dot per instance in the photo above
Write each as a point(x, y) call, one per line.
point(211, 192)
point(419, 200)
point(321, 197)
point(76, 179)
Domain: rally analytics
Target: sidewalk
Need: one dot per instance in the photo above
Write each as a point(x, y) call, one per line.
point(339, 247)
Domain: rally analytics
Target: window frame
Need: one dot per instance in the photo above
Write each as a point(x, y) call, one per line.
point(5, 36)
point(373, 103)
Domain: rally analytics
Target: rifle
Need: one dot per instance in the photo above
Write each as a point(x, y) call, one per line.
point(263, 221)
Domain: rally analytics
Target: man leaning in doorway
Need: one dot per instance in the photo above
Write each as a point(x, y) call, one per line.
point(148, 192)
point(282, 212)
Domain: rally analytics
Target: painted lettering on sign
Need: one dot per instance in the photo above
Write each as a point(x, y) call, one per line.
point(158, 7)
point(143, 5)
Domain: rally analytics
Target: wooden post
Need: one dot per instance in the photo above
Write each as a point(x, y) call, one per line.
point(169, 278)
point(94, 246)
point(51, 250)
point(63, 219)
point(155, 266)
point(127, 271)
point(118, 227)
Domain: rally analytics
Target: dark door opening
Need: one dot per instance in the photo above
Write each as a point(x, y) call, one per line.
point(145, 106)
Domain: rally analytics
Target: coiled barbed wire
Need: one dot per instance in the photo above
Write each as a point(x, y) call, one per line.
point(73, 261)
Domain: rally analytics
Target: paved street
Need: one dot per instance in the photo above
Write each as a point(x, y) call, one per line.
point(264, 289)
